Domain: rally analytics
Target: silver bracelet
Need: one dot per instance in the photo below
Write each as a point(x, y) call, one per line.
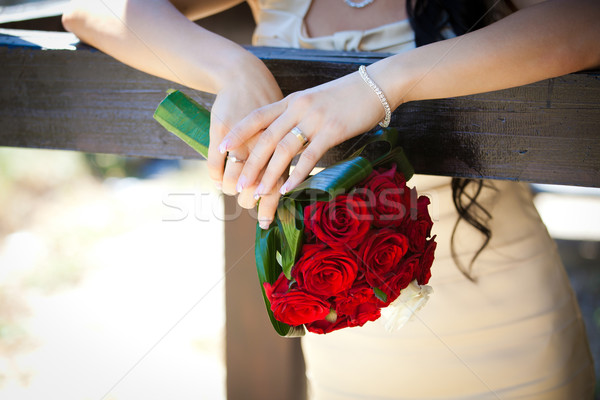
point(362, 70)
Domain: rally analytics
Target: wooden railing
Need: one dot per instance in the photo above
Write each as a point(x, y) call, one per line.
point(56, 93)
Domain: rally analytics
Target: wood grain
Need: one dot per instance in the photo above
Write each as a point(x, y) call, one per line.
point(56, 93)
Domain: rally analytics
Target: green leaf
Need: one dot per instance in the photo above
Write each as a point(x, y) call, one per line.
point(182, 116)
point(385, 136)
point(333, 180)
point(391, 153)
point(266, 246)
point(397, 156)
point(289, 221)
point(380, 294)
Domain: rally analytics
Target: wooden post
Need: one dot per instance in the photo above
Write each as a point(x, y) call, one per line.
point(260, 364)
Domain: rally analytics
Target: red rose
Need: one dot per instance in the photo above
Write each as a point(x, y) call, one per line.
point(403, 275)
point(388, 197)
point(418, 226)
point(323, 326)
point(359, 305)
point(297, 307)
point(341, 222)
point(381, 252)
point(278, 288)
point(423, 273)
point(325, 271)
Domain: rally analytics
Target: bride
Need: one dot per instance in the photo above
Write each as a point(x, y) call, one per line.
point(503, 321)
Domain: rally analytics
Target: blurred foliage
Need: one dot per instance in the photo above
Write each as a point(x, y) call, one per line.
point(112, 166)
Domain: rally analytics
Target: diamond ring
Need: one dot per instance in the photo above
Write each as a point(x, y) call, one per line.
point(235, 159)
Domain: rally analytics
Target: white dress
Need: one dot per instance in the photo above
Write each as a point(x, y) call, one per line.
point(516, 333)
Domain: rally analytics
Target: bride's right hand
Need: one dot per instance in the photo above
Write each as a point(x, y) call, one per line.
point(252, 86)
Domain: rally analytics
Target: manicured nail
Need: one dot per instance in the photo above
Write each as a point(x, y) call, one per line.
point(259, 191)
point(241, 184)
point(223, 146)
point(283, 189)
point(264, 223)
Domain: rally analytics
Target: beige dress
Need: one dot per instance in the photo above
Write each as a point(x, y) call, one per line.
point(516, 333)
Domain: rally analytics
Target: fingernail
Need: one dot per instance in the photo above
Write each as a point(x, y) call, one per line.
point(241, 184)
point(219, 185)
point(283, 189)
point(256, 196)
point(259, 190)
point(264, 224)
point(223, 146)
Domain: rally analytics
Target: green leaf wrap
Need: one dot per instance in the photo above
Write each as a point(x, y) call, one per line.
point(188, 120)
point(289, 221)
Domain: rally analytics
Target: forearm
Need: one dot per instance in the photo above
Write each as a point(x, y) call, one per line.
point(547, 40)
point(153, 36)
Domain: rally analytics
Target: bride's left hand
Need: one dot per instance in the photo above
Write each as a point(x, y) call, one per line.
point(326, 115)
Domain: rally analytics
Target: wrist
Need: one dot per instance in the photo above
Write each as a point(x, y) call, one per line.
point(393, 79)
point(245, 72)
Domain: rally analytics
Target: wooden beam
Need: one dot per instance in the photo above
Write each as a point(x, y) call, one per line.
point(57, 93)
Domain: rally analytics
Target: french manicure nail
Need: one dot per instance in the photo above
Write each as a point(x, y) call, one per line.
point(223, 146)
point(283, 189)
point(264, 224)
point(259, 189)
point(241, 184)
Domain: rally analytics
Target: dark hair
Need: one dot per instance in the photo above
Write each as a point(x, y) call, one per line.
point(429, 19)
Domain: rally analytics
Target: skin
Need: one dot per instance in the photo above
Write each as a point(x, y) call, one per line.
point(542, 40)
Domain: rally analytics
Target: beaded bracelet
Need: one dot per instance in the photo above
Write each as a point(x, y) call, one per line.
point(362, 70)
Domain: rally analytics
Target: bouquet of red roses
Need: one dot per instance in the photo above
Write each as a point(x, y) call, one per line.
point(348, 245)
point(360, 251)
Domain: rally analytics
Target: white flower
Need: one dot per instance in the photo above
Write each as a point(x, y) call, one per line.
point(411, 299)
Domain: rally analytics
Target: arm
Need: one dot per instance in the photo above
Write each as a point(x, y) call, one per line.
point(155, 37)
point(549, 39)
point(545, 40)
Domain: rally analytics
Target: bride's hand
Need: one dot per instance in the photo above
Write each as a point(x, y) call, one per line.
point(326, 115)
point(254, 87)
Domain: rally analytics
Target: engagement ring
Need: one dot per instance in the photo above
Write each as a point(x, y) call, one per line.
point(235, 159)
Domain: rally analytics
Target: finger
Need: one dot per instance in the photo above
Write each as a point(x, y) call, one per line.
point(307, 161)
point(233, 167)
point(291, 144)
point(254, 122)
point(264, 149)
point(216, 160)
point(267, 207)
point(246, 197)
